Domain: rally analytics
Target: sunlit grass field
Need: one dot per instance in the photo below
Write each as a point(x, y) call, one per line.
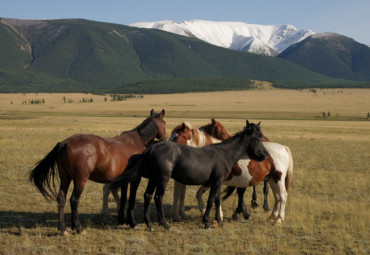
point(328, 207)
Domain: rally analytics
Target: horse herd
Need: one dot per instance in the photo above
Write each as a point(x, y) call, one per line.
point(207, 156)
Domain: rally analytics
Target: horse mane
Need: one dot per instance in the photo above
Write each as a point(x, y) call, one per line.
point(178, 127)
point(147, 129)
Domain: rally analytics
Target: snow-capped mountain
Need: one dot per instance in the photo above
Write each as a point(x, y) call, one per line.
point(262, 39)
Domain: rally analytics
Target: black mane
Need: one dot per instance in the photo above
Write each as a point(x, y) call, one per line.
point(148, 128)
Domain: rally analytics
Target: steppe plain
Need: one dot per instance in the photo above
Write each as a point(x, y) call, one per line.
point(328, 207)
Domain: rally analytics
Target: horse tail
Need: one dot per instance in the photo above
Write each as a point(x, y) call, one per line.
point(289, 175)
point(228, 192)
point(132, 172)
point(43, 175)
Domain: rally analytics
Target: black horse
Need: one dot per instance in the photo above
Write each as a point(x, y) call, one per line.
point(208, 165)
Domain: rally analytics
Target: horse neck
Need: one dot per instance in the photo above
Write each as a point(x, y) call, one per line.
point(200, 139)
point(234, 147)
point(147, 130)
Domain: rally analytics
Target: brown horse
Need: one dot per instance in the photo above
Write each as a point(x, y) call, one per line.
point(82, 157)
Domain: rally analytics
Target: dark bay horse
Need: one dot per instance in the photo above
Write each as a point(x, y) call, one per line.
point(218, 131)
point(187, 135)
point(82, 157)
point(208, 165)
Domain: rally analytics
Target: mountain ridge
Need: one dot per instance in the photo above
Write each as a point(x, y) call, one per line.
point(77, 55)
point(333, 55)
point(262, 39)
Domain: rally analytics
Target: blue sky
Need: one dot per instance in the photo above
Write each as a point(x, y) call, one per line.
point(346, 17)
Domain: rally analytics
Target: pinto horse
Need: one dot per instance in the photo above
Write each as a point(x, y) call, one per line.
point(217, 130)
point(82, 157)
point(208, 165)
point(278, 167)
point(205, 135)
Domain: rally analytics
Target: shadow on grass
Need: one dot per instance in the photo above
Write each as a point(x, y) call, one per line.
point(31, 220)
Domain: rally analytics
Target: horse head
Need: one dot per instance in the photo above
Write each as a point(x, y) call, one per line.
point(216, 130)
point(182, 133)
point(158, 118)
point(255, 150)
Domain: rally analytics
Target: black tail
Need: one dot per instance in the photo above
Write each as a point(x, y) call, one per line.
point(42, 176)
point(228, 192)
point(132, 172)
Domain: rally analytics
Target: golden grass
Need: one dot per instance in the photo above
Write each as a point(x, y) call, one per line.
point(328, 204)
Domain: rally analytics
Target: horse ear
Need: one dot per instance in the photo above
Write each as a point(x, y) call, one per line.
point(213, 121)
point(151, 112)
point(183, 126)
point(259, 123)
point(247, 122)
point(162, 113)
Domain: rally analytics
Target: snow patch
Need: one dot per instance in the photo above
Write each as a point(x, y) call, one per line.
point(263, 39)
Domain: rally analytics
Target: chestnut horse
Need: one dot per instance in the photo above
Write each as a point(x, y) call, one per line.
point(278, 167)
point(82, 157)
point(208, 165)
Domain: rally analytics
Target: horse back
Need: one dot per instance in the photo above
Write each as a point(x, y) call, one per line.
point(186, 164)
point(98, 158)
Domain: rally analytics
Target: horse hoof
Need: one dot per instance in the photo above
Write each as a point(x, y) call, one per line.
point(166, 226)
point(235, 216)
point(133, 226)
point(278, 222)
point(247, 216)
point(254, 204)
point(64, 233)
point(81, 231)
point(266, 208)
point(176, 219)
point(184, 216)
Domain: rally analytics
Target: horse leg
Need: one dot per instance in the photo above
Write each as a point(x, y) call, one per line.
point(62, 195)
point(176, 197)
point(147, 198)
point(121, 213)
point(211, 199)
point(283, 194)
point(116, 198)
point(218, 211)
point(74, 201)
point(158, 198)
point(265, 196)
point(131, 203)
point(241, 205)
point(182, 202)
point(106, 191)
point(199, 197)
point(275, 211)
point(254, 203)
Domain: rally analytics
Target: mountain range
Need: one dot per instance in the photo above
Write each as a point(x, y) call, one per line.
point(330, 54)
point(261, 39)
point(81, 55)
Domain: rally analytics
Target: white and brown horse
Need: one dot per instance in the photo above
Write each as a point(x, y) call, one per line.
point(187, 135)
point(278, 167)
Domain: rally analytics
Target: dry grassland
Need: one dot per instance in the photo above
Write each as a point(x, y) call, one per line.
point(328, 208)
